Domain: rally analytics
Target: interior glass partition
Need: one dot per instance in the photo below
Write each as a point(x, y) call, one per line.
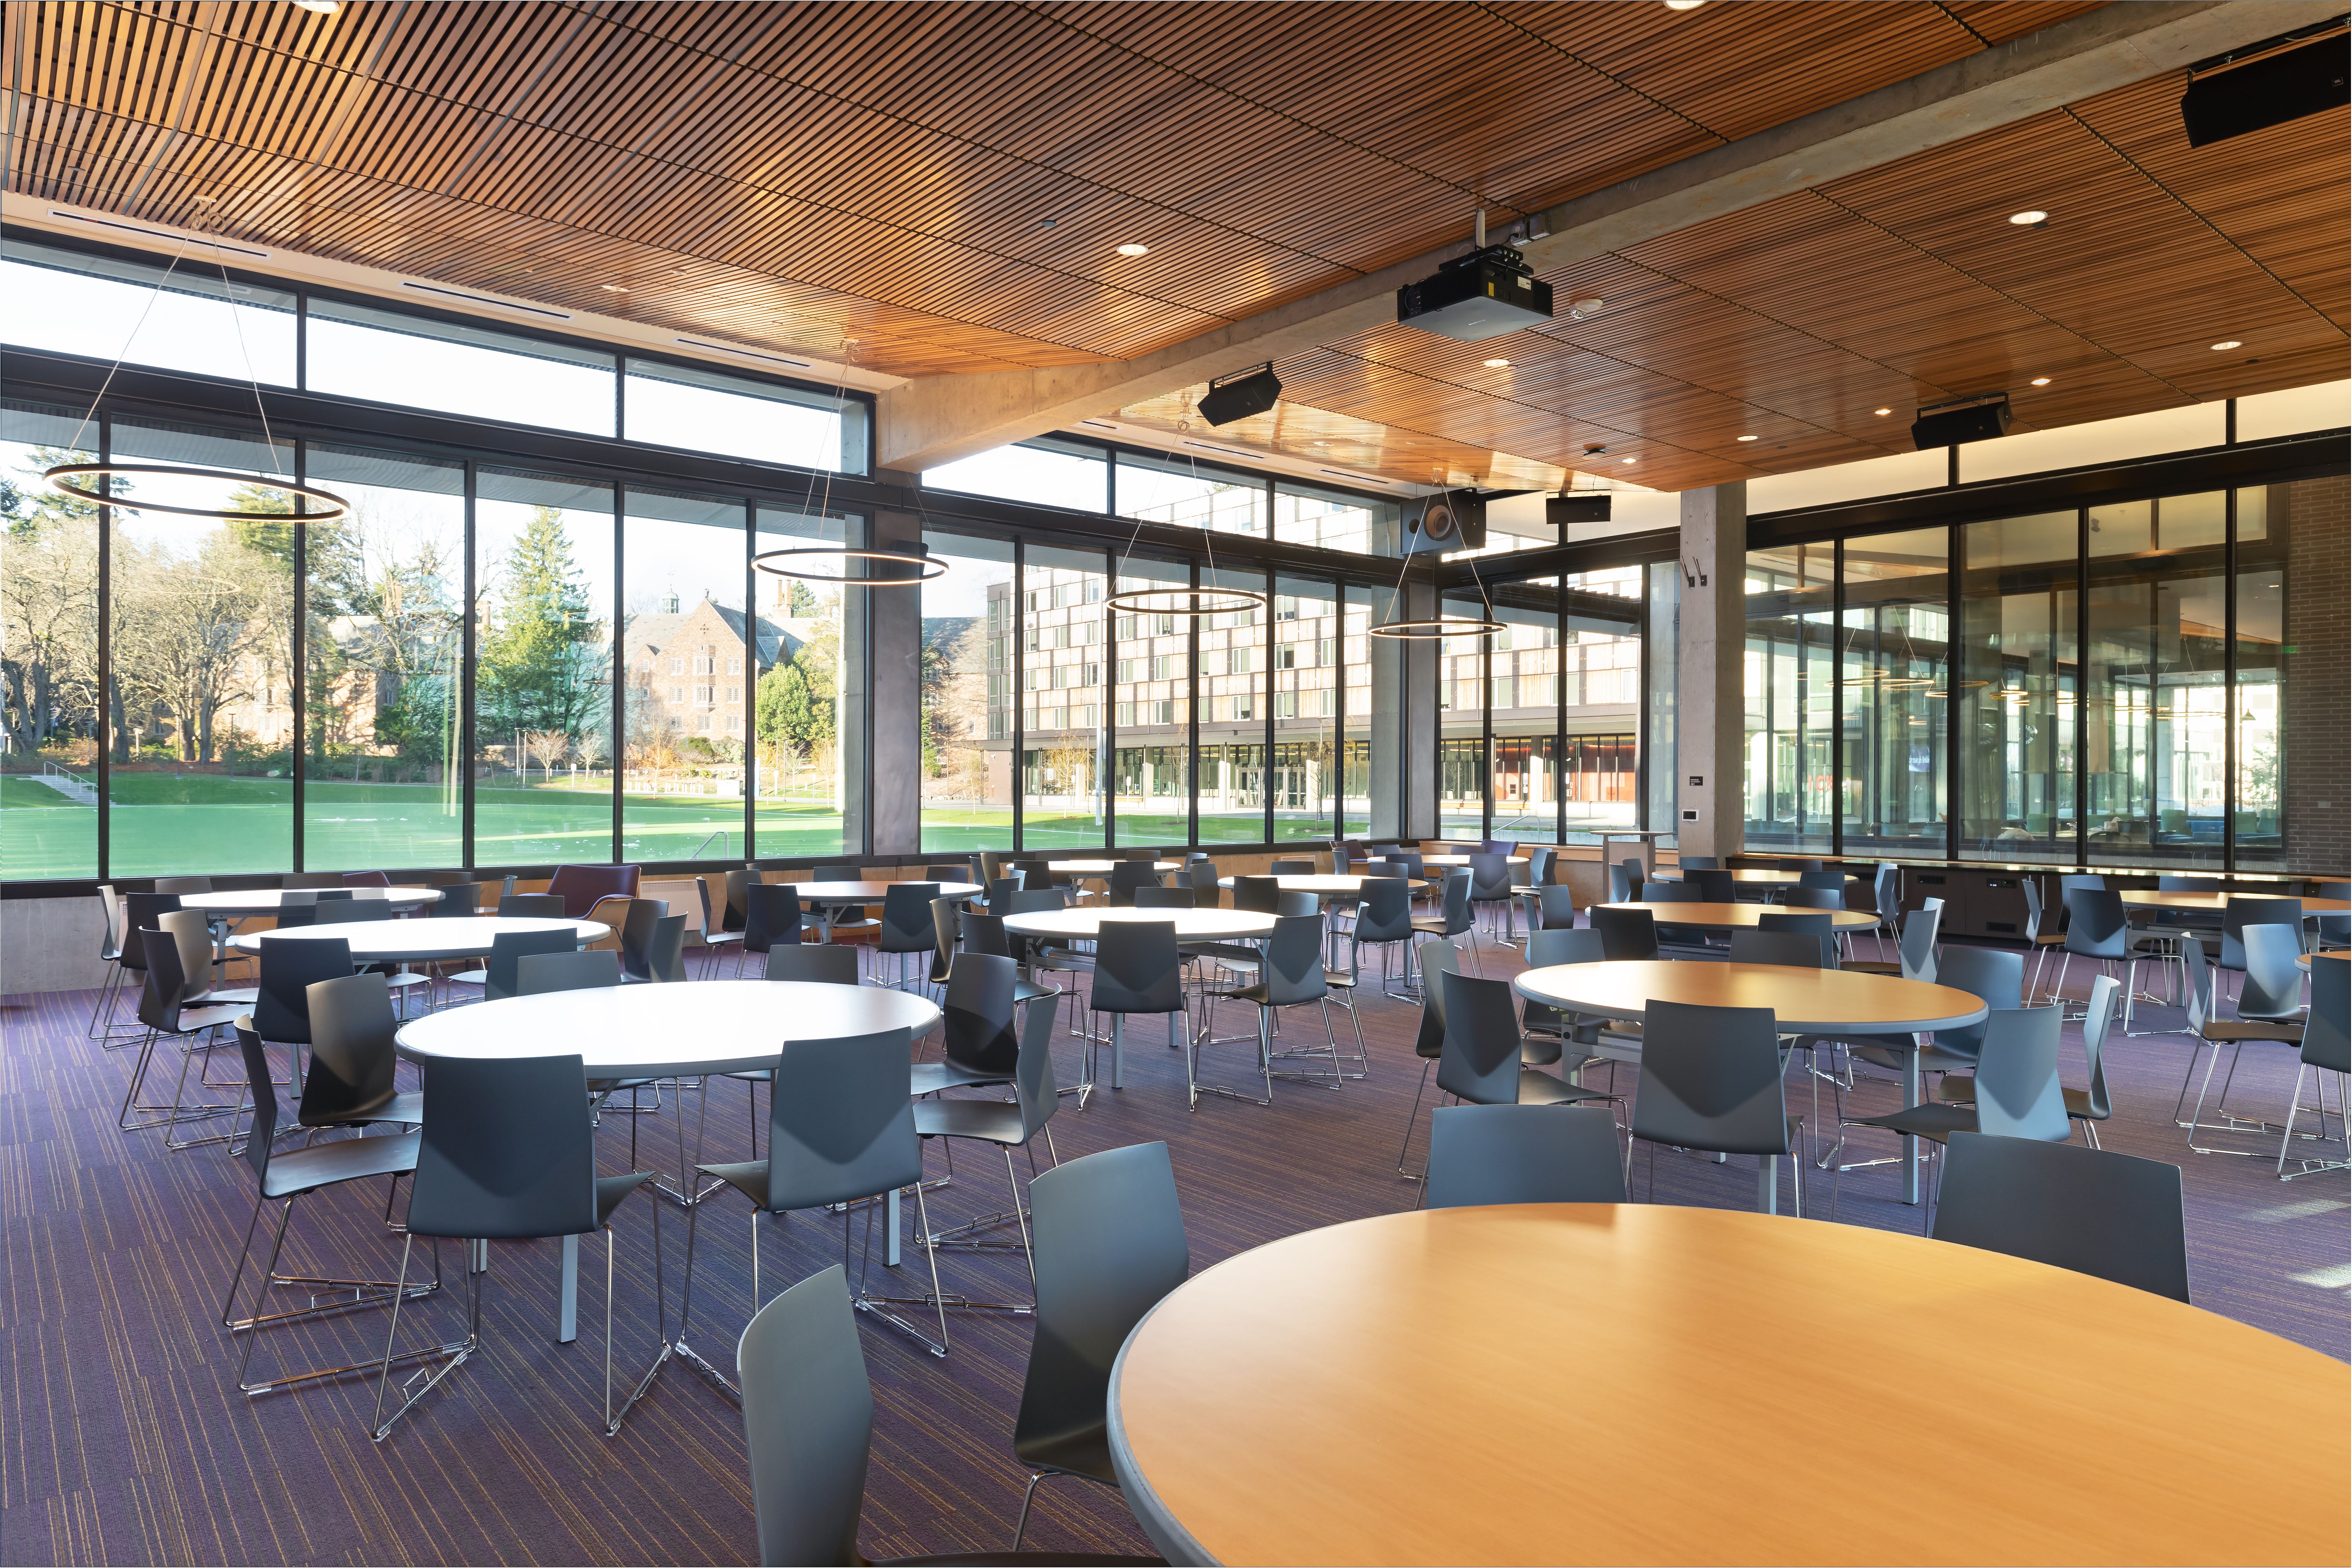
point(543, 607)
point(1151, 703)
point(969, 626)
point(383, 649)
point(49, 686)
point(682, 659)
point(2017, 699)
point(1233, 796)
point(1893, 652)
point(1788, 765)
point(1064, 638)
point(808, 723)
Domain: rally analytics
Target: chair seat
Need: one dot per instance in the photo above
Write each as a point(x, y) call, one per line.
point(1538, 1051)
point(1932, 1122)
point(1542, 1089)
point(992, 1120)
point(748, 1178)
point(1960, 1089)
point(241, 996)
point(1085, 1453)
point(1433, 925)
point(407, 1110)
point(2235, 1031)
point(1339, 980)
point(1222, 951)
point(929, 1078)
point(721, 938)
point(610, 1190)
point(1027, 991)
point(1930, 1059)
point(295, 1171)
point(194, 1018)
point(471, 977)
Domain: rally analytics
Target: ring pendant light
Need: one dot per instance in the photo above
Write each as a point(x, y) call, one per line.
point(60, 477)
point(922, 566)
point(1443, 626)
point(1184, 603)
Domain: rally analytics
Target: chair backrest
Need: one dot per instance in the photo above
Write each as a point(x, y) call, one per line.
point(1834, 882)
point(1437, 959)
point(1292, 972)
point(1000, 889)
point(1137, 968)
point(2068, 883)
point(2197, 995)
point(814, 964)
point(458, 900)
point(1032, 1072)
point(2098, 1017)
point(178, 885)
point(1814, 898)
point(2337, 929)
point(509, 1151)
point(943, 939)
point(1556, 906)
point(1885, 888)
point(2274, 987)
point(261, 1132)
point(946, 873)
point(2033, 885)
point(109, 911)
point(738, 899)
point(1626, 933)
point(841, 1125)
point(1915, 953)
point(1258, 895)
point(771, 917)
point(1166, 898)
point(351, 1055)
point(537, 974)
point(1396, 868)
point(2018, 1092)
point(1108, 1236)
point(1202, 876)
point(142, 912)
point(2238, 913)
point(1711, 1079)
point(638, 934)
point(2327, 1034)
point(907, 916)
point(1682, 892)
point(991, 863)
point(1490, 877)
point(1815, 924)
point(2166, 883)
point(1384, 912)
point(346, 912)
point(1035, 901)
point(581, 886)
point(509, 948)
point(1539, 860)
point(808, 1419)
point(311, 879)
point(1556, 944)
point(1523, 1155)
point(1480, 1062)
point(367, 879)
point(2096, 926)
point(1291, 869)
point(1126, 877)
point(192, 937)
point(666, 950)
point(533, 906)
point(977, 1026)
point(2112, 1215)
point(1290, 904)
point(1624, 885)
point(1710, 885)
point(981, 934)
point(164, 985)
point(1993, 977)
point(1689, 863)
point(1800, 865)
point(1791, 949)
point(289, 966)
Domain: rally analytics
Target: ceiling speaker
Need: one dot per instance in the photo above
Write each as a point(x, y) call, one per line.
point(1450, 519)
point(2268, 91)
point(1239, 395)
point(1954, 424)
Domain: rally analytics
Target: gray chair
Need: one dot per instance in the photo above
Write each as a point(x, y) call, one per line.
point(539, 974)
point(1109, 1243)
point(1202, 877)
point(1126, 877)
point(1429, 1040)
point(1522, 1154)
point(1711, 1082)
point(508, 1153)
point(641, 963)
point(2097, 1212)
point(351, 1081)
point(2238, 913)
point(1792, 949)
point(772, 917)
point(1150, 897)
point(1994, 977)
point(907, 928)
point(1137, 971)
point(945, 933)
point(2212, 1033)
point(1626, 935)
point(985, 933)
point(723, 928)
point(2327, 1047)
point(534, 906)
point(978, 1043)
point(1689, 863)
point(1712, 885)
point(1915, 953)
point(1480, 1061)
point(1817, 924)
point(1291, 974)
point(1556, 908)
point(2333, 932)
point(2017, 1089)
point(164, 1011)
point(1625, 882)
point(1548, 1031)
point(2098, 927)
point(1686, 941)
point(311, 879)
point(1818, 880)
point(1009, 1124)
point(1887, 899)
point(1539, 860)
point(813, 964)
point(1383, 920)
point(501, 976)
point(2088, 1106)
point(1453, 918)
point(2041, 939)
point(1490, 884)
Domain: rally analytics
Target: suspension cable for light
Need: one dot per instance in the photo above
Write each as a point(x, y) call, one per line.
point(921, 565)
point(1441, 627)
point(1185, 603)
point(57, 476)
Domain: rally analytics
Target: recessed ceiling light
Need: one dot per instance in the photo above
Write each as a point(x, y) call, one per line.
point(1882, 410)
point(1685, 4)
point(1747, 437)
point(1626, 459)
point(2227, 344)
point(1499, 364)
point(2028, 219)
point(324, 7)
point(1131, 249)
point(2041, 380)
point(611, 288)
point(1318, 443)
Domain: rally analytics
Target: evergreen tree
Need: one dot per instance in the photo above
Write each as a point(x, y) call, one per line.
point(541, 667)
point(791, 711)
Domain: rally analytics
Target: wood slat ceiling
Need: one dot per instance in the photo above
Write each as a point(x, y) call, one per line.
point(792, 176)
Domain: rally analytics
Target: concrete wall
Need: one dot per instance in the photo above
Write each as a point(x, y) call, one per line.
point(50, 944)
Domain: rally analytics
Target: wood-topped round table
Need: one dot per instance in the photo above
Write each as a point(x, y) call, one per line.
point(1729, 917)
point(1753, 878)
point(2219, 903)
point(664, 1031)
point(425, 941)
point(2333, 955)
point(256, 902)
point(1431, 1418)
point(1804, 1002)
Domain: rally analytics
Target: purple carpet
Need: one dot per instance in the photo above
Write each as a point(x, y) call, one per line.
point(123, 1439)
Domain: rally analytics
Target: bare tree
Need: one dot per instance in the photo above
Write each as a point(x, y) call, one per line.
point(549, 747)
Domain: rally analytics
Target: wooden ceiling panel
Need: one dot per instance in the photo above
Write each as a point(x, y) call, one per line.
point(1998, 21)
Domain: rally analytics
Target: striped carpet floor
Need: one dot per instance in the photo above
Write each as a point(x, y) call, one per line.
point(123, 1439)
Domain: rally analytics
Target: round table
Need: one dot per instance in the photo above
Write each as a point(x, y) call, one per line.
point(1433, 1418)
point(1102, 867)
point(832, 898)
point(2332, 956)
point(1465, 859)
point(1328, 885)
point(1756, 879)
point(1192, 925)
point(424, 940)
point(1729, 917)
point(254, 901)
point(2218, 904)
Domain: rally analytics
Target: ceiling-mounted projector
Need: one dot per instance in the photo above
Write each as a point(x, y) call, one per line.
point(1489, 293)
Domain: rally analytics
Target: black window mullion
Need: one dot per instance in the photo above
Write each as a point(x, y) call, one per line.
point(2082, 679)
point(1265, 772)
point(1106, 764)
point(1019, 628)
point(1485, 735)
point(2228, 670)
point(1338, 715)
point(1952, 545)
point(613, 663)
point(299, 652)
point(464, 760)
point(105, 704)
point(1193, 717)
point(1559, 711)
point(1837, 698)
point(750, 689)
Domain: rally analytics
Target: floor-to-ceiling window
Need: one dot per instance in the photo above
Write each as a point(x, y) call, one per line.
point(50, 699)
point(1357, 717)
point(1232, 683)
point(2287, 541)
point(1174, 490)
point(383, 600)
point(2017, 694)
point(684, 656)
point(805, 685)
point(1601, 684)
point(1791, 697)
point(544, 609)
point(1065, 635)
point(1462, 725)
point(970, 626)
point(1524, 695)
point(1306, 678)
point(1151, 702)
point(1892, 669)
point(1664, 588)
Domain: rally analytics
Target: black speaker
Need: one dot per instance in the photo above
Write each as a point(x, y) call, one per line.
point(1559, 510)
point(1451, 519)
point(2266, 92)
point(1979, 421)
point(1240, 395)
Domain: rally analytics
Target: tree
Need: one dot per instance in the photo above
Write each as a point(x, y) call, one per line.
point(791, 711)
point(540, 667)
point(48, 610)
point(799, 600)
point(549, 747)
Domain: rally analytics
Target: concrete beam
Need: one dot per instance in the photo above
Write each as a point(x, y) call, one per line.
point(937, 419)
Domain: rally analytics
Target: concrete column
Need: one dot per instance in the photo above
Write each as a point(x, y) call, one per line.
point(1711, 695)
point(893, 621)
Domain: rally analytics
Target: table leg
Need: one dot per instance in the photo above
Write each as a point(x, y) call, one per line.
point(1767, 1183)
point(1910, 1144)
point(890, 1258)
point(567, 1275)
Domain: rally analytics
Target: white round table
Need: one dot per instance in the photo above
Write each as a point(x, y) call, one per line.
point(1192, 925)
point(1451, 860)
point(424, 940)
point(873, 892)
point(253, 901)
point(1101, 868)
point(1740, 917)
point(1329, 886)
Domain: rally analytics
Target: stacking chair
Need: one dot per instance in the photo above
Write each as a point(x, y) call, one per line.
point(841, 1130)
point(907, 928)
point(1800, 864)
point(501, 976)
point(985, 933)
point(540, 973)
point(1000, 892)
point(2326, 1045)
point(943, 939)
point(458, 900)
point(1202, 877)
point(1548, 1032)
point(1539, 860)
point(140, 912)
point(2111, 1215)
point(1109, 1244)
point(1442, 959)
point(110, 953)
point(1689, 863)
point(1383, 920)
point(2097, 928)
point(1886, 901)
point(1711, 1082)
point(351, 1081)
point(1556, 907)
point(164, 1010)
point(1915, 953)
point(946, 873)
point(1712, 884)
point(992, 863)
point(1625, 883)
point(811, 963)
point(310, 879)
point(2238, 913)
point(1479, 1062)
point(1256, 895)
point(507, 1153)
point(532, 906)
point(1453, 918)
point(281, 1176)
point(1137, 970)
point(1814, 923)
point(1994, 977)
point(2088, 1106)
point(727, 929)
point(2333, 932)
point(2042, 941)
point(1522, 1154)
point(1822, 881)
point(638, 926)
point(281, 1002)
point(191, 933)
point(1688, 941)
point(1149, 898)
point(661, 957)
point(2209, 1030)
point(1291, 975)
point(1490, 884)
point(1009, 1124)
point(1792, 949)
point(1126, 877)
point(367, 879)
point(772, 919)
point(2016, 1095)
point(1626, 935)
point(978, 1042)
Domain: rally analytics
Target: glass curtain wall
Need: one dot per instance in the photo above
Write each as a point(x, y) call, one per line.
point(1892, 664)
point(49, 701)
point(1172, 490)
point(201, 779)
point(1355, 709)
point(1064, 636)
point(1462, 725)
point(969, 626)
point(683, 658)
point(1151, 708)
point(389, 356)
point(807, 688)
point(2284, 593)
point(1042, 473)
point(1524, 699)
point(1305, 676)
point(1664, 590)
point(2018, 669)
point(543, 614)
point(383, 604)
point(1233, 685)
point(1791, 697)
point(1329, 519)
